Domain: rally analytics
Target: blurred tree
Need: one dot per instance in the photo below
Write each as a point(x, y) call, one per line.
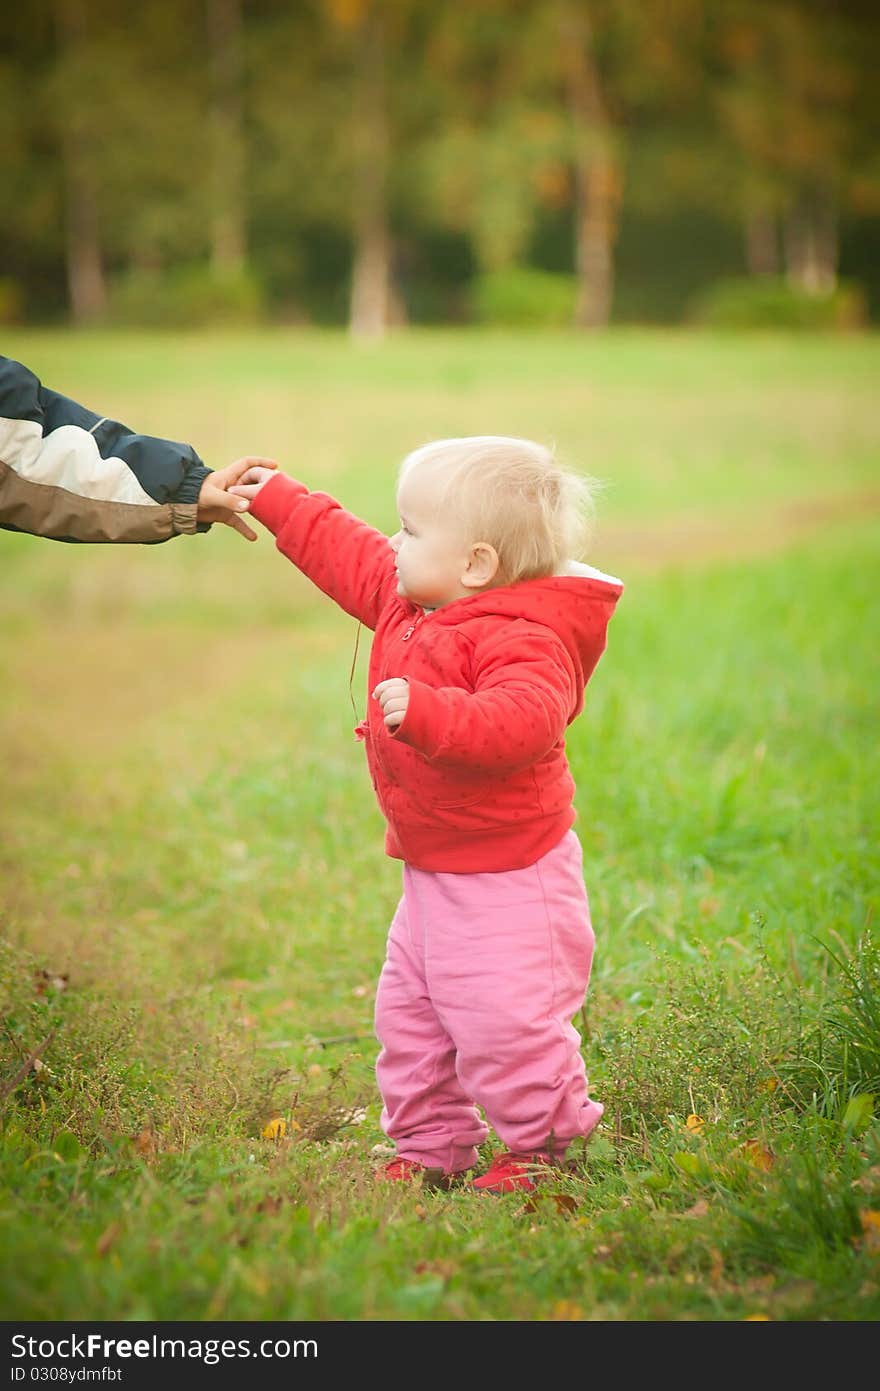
point(545, 94)
point(787, 102)
point(228, 220)
point(597, 176)
point(361, 150)
point(78, 141)
point(370, 309)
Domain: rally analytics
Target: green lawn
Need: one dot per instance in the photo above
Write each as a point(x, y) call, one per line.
point(188, 836)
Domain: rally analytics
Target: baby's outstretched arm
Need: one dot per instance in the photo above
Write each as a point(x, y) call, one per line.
point(349, 560)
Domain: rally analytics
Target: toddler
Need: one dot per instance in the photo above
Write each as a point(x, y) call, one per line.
point(486, 633)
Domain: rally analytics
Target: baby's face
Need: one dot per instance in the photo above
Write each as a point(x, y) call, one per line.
point(430, 551)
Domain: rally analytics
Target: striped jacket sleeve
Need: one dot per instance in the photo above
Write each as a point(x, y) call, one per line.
point(71, 475)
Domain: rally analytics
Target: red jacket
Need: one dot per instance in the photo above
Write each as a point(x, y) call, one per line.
point(475, 777)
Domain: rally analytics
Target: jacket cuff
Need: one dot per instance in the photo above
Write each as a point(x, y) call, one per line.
point(192, 484)
point(184, 518)
point(418, 728)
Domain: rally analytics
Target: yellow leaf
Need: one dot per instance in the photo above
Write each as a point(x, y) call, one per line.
point(274, 1129)
point(695, 1124)
point(870, 1238)
point(757, 1318)
point(758, 1155)
point(566, 1311)
point(770, 1084)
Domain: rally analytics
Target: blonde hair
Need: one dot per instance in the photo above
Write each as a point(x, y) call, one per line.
point(513, 494)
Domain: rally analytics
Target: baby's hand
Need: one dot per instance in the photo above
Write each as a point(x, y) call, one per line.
point(393, 696)
point(215, 503)
point(251, 482)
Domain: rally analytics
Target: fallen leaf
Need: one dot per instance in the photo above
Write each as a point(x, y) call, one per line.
point(566, 1311)
point(44, 981)
point(274, 1129)
point(770, 1084)
point(695, 1124)
point(563, 1202)
point(870, 1238)
point(869, 1181)
point(757, 1318)
point(758, 1155)
point(145, 1143)
point(699, 1209)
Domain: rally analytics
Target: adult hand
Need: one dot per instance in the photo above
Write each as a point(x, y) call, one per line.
point(393, 696)
point(217, 504)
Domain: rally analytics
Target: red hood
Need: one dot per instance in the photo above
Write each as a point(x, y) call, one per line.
point(577, 606)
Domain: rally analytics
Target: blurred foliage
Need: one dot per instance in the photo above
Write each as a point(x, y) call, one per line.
point(188, 295)
point(279, 144)
point(774, 303)
point(523, 296)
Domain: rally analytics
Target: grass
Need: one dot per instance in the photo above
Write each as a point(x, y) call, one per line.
point(194, 896)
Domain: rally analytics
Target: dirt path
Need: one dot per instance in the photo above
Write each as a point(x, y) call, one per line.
point(683, 542)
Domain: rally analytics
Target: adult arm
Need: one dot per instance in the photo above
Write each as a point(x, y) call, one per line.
point(69, 474)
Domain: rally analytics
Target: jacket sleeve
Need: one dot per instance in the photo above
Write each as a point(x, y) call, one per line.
point(71, 475)
point(350, 561)
point(521, 704)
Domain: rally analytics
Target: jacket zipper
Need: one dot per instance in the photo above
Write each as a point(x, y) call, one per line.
point(412, 627)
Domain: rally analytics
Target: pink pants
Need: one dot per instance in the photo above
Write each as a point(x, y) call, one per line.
point(482, 976)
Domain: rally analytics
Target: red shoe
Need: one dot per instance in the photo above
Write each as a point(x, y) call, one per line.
point(411, 1171)
point(514, 1173)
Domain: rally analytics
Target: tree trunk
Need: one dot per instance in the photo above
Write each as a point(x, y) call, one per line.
point(597, 176)
point(370, 306)
point(811, 243)
point(228, 239)
point(86, 283)
point(762, 249)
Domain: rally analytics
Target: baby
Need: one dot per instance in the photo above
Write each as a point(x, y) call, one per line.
point(486, 633)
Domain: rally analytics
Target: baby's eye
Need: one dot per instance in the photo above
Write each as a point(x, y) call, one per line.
point(405, 529)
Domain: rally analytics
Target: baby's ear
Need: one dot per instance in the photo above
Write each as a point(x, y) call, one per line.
point(482, 566)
